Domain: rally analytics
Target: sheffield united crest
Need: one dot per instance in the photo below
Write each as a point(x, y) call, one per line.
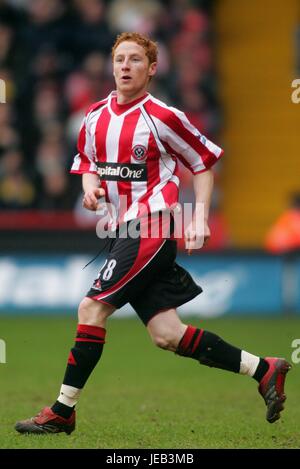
point(139, 152)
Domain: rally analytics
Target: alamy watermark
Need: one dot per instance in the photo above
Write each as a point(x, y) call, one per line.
point(2, 351)
point(295, 96)
point(295, 357)
point(2, 91)
point(175, 221)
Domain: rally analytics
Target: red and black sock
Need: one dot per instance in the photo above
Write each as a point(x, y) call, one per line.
point(209, 349)
point(83, 358)
point(261, 370)
point(85, 355)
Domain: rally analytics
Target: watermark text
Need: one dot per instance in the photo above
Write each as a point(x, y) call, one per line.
point(176, 221)
point(295, 96)
point(296, 353)
point(2, 351)
point(2, 91)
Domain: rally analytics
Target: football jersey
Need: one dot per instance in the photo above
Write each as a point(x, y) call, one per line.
point(135, 148)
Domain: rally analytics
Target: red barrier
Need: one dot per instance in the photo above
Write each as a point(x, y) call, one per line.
point(42, 220)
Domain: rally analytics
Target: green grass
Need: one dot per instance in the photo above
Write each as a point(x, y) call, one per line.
point(143, 397)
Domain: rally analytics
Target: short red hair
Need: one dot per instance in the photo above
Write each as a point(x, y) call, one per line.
point(149, 46)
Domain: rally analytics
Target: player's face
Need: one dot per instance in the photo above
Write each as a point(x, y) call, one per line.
point(132, 70)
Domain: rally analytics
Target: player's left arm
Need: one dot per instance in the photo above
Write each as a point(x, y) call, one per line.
point(197, 233)
point(198, 154)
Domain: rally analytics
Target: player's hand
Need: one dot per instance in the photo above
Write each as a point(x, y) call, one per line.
point(91, 198)
point(194, 239)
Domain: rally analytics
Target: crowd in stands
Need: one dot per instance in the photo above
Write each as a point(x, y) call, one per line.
point(55, 60)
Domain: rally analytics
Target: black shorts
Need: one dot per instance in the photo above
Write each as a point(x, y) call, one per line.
point(143, 272)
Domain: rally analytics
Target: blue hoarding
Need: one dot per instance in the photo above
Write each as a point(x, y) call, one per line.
point(237, 284)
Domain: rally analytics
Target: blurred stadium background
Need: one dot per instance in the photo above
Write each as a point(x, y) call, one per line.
point(229, 65)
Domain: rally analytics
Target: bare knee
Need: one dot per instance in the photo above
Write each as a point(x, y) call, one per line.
point(164, 342)
point(94, 313)
point(166, 330)
point(166, 339)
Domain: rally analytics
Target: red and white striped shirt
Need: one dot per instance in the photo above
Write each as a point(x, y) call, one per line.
point(135, 149)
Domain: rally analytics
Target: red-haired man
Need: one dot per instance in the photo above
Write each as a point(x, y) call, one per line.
point(129, 146)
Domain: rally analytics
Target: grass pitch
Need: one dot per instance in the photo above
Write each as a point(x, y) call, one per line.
point(143, 397)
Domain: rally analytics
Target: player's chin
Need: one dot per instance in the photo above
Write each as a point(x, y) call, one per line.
point(123, 84)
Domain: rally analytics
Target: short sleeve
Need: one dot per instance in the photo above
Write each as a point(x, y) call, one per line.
point(84, 161)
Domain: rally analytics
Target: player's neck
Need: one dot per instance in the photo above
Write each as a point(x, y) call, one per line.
point(126, 99)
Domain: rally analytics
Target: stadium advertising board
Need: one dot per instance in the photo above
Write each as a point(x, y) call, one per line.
point(237, 285)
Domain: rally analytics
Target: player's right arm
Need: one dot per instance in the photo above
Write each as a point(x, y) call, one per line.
point(84, 164)
point(92, 191)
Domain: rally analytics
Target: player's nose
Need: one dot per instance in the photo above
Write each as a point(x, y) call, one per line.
point(125, 64)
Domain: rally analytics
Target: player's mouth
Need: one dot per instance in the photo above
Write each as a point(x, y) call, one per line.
point(125, 78)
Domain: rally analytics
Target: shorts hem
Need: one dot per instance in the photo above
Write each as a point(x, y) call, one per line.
point(102, 301)
point(173, 306)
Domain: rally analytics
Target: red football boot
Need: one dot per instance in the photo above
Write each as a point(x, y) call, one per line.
point(47, 422)
point(271, 387)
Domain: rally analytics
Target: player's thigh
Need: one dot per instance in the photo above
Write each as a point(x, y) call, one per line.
point(166, 329)
point(94, 313)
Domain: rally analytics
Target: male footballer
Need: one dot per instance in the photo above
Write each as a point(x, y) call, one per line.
point(128, 147)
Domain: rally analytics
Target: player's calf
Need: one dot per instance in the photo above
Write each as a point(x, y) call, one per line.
point(209, 349)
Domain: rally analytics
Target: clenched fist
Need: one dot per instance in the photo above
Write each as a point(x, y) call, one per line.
point(91, 198)
point(196, 239)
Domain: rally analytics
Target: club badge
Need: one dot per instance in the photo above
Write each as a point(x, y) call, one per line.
point(139, 152)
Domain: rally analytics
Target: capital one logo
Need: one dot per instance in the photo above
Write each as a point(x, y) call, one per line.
point(2, 92)
point(122, 172)
point(2, 351)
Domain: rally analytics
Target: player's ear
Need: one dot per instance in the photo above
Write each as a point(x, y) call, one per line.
point(152, 69)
